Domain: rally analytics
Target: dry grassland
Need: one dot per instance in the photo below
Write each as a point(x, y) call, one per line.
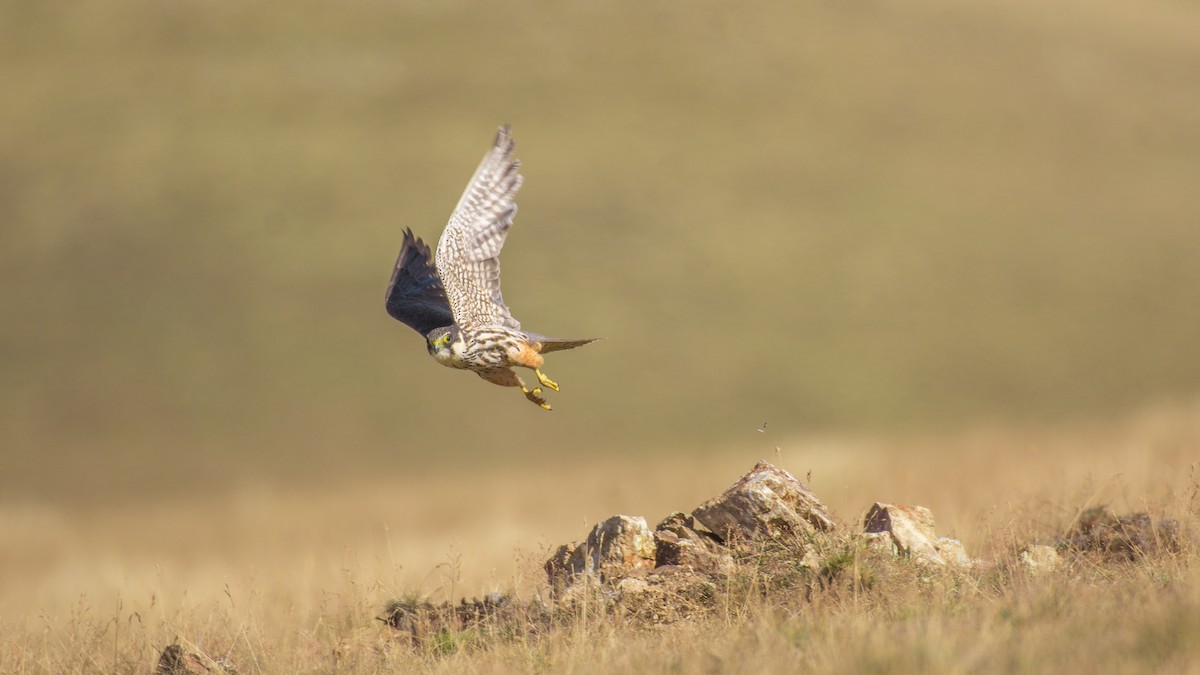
point(281, 581)
point(213, 435)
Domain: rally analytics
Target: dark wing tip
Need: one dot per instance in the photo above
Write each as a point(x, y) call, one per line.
point(414, 293)
point(412, 244)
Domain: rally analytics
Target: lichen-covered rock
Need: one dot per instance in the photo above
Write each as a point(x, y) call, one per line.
point(911, 528)
point(1039, 558)
point(768, 502)
point(619, 547)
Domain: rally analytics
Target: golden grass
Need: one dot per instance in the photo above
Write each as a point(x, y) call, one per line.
point(290, 580)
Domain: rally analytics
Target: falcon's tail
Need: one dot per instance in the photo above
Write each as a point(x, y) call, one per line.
point(549, 344)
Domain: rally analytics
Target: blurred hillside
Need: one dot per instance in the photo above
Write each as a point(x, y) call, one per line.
point(819, 215)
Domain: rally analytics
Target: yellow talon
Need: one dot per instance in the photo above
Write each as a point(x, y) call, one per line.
point(538, 400)
point(546, 382)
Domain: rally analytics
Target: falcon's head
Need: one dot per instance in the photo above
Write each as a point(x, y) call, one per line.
point(446, 345)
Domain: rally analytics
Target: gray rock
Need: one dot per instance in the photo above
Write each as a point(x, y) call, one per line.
point(911, 528)
point(619, 547)
point(768, 502)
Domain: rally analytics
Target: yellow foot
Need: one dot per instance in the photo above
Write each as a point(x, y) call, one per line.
point(546, 382)
point(538, 400)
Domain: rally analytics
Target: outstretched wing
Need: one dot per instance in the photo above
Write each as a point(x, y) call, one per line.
point(415, 295)
point(467, 253)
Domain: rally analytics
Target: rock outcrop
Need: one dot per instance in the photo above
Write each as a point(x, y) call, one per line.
point(622, 556)
point(766, 502)
point(766, 536)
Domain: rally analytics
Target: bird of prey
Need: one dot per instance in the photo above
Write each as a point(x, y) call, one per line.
point(454, 299)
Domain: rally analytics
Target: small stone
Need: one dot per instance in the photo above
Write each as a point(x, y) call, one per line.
point(953, 552)
point(911, 528)
point(767, 501)
point(633, 586)
point(1039, 558)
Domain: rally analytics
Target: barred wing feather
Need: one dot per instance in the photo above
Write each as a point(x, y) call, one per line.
point(468, 251)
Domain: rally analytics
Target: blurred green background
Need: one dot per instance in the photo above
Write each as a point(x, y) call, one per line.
point(821, 215)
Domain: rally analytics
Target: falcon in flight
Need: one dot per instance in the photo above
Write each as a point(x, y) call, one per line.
point(454, 299)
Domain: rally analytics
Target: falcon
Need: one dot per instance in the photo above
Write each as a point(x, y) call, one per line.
point(454, 299)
